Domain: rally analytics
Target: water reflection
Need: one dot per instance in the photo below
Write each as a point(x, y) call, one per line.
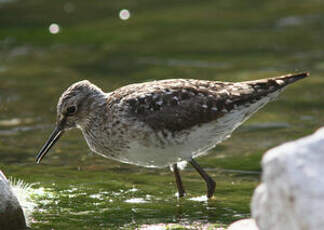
point(16, 121)
point(21, 129)
point(136, 200)
point(199, 198)
point(121, 207)
point(54, 28)
point(124, 14)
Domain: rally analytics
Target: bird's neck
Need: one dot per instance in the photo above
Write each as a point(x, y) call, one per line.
point(93, 109)
point(97, 101)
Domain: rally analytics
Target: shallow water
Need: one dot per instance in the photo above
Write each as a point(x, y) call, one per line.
point(215, 40)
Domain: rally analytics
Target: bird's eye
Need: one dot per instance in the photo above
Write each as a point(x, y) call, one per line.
point(70, 110)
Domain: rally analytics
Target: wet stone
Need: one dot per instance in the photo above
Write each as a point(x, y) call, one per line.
point(11, 213)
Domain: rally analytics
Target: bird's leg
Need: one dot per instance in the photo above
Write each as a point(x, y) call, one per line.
point(209, 181)
point(180, 187)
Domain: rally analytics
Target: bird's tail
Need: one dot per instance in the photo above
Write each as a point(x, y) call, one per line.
point(252, 91)
point(276, 83)
point(255, 94)
point(290, 78)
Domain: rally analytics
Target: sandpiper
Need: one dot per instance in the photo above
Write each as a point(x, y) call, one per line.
point(161, 123)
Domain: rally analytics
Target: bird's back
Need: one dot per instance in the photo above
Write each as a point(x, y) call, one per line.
point(189, 116)
point(179, 104)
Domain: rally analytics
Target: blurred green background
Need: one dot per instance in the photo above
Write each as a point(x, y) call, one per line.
point(227, 40)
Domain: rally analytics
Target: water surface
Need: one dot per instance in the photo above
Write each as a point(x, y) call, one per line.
point(214, 40)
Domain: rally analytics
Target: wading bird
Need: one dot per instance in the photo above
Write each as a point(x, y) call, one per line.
point(161, 123)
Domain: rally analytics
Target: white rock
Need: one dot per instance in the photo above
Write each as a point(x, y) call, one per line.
point(11, 213)
point(291, 195)
point(244, 224)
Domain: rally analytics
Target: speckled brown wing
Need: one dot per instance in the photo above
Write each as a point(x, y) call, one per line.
point(179, 104)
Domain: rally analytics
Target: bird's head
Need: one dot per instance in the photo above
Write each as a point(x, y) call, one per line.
point(72, 110)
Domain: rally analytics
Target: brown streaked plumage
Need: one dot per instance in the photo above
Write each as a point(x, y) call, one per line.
point(160, 123)
point(180, 104)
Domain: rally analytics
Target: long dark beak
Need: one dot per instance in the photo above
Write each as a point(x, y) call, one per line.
point(58, 131)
